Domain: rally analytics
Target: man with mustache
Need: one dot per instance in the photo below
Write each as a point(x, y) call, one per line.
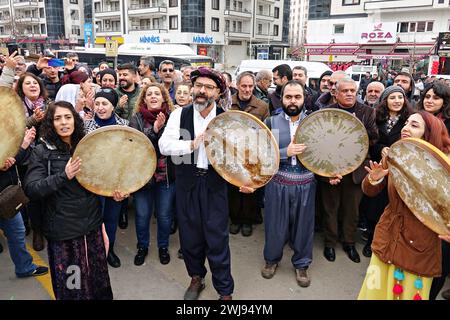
point(290, 195)
point(201, 194)
point(341, 195)
point(244, 209)
point(128, 90)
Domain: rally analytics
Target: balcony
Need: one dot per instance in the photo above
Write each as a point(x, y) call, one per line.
point(236, 12)
point(108, 32)
point(397, 4)
point(108, 12)
point(4, 4)
point(239, 34)
point(263, 35)
point(26, 4)
point(150, 29)
point(146, 10)
point(266, 1)
point(5, 20)
point(265, 17)
point(30, 20)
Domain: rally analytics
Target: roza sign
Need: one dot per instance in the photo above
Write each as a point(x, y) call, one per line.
point(377, 35)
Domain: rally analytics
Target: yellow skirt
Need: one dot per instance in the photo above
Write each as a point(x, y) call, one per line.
point(379, 283)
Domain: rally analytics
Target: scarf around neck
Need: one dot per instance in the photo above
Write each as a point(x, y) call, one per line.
point(150, 115)
point(106, 122)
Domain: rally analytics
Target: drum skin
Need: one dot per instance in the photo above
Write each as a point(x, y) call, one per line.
point(421, 175)
point(242, 149)
point(336, 142)
point(115, 158)
point(12, 124)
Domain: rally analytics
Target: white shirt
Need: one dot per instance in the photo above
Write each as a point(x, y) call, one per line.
point(292, 129)
point(170, 143)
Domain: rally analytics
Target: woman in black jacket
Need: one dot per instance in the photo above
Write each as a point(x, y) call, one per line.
point(14, 228)
point(77, 244)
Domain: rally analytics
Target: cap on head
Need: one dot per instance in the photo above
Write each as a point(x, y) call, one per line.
point(214, 75)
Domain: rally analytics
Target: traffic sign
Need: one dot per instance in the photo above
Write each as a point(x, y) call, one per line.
point(111, 48)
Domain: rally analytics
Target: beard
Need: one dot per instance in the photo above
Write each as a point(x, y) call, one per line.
point(292, 110)
point(125, 84)
point(201, 106)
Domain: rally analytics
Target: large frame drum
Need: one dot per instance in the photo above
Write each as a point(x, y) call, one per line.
point(242, 149)
point(421, 175)
point(336, 142)
point(115, 158)
point(12, 124)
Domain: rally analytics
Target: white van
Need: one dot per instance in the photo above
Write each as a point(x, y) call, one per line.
point(356, 72)
point(315, 69)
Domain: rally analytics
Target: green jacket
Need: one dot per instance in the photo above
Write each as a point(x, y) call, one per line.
point(127, 111)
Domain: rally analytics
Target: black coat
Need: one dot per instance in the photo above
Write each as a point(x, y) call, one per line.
point(386, 139)
point(9, 177)
point(70, 211)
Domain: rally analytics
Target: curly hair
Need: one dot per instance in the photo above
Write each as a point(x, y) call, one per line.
point(19, 88)
point(442, 91)
point(382, 111)
point(48, 132)
point(167, 103)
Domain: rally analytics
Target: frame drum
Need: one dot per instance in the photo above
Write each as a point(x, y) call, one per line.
point(336, 141)
point(242, 149)
point(421, 175)
point(115, 158)
point(12, 124)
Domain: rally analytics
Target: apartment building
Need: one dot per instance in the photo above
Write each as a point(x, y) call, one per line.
point(298, 22)
point(226, 30)
point(399, 31)
point(35, 23)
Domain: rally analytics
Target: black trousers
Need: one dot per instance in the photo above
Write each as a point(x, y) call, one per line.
point(244, 208)
point(341, 204)
point(203, 224)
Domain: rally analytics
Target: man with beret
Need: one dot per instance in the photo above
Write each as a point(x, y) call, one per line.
point(201, 194)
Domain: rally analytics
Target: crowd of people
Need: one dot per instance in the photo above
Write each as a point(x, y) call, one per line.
point(62, 105)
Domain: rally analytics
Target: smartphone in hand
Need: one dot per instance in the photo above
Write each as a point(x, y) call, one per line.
point(55, 62)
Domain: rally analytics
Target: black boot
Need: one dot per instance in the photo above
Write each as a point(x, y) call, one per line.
point(112, 259)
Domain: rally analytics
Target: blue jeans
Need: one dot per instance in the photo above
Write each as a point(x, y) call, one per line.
point(111, 210)
point(14, 230)
point(162, 197)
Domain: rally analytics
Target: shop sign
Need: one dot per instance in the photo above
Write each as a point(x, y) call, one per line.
point(203, 39)
point(383, 32)
point(150, 39)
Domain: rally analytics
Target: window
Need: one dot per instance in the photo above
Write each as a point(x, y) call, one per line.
point(173, 22)
point(441, 1)
point(76, 30)
point(412, 27)
point(74, 15)
point(227, 25)
point(350, 2)
point(259, 28)
point(74, 1)
point(275, 30)
point(215, 5)
point(338, 29)
point(421, 26)
point(448, 25)
point(261, 10)
point(277, 13)
point(215, 24)
point(403, 27)
point(173, 3)
point(430, 25)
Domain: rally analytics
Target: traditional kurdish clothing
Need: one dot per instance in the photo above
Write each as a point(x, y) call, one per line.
point(290, 202)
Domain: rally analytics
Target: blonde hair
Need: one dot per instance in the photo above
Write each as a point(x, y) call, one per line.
point(164, 92)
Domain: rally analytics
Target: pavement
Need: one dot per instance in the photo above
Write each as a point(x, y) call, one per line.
point(339, 280)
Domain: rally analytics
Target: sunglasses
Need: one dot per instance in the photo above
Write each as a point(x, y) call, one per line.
point(106, 90)
point(167, 70)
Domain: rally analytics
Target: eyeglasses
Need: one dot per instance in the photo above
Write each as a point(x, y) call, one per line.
point(209, 87)
point(167, 70)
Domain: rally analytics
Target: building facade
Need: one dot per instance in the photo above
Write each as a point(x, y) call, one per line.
point(298, 22)
point(33, 23)
point(354, 30)
point(226, 30)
